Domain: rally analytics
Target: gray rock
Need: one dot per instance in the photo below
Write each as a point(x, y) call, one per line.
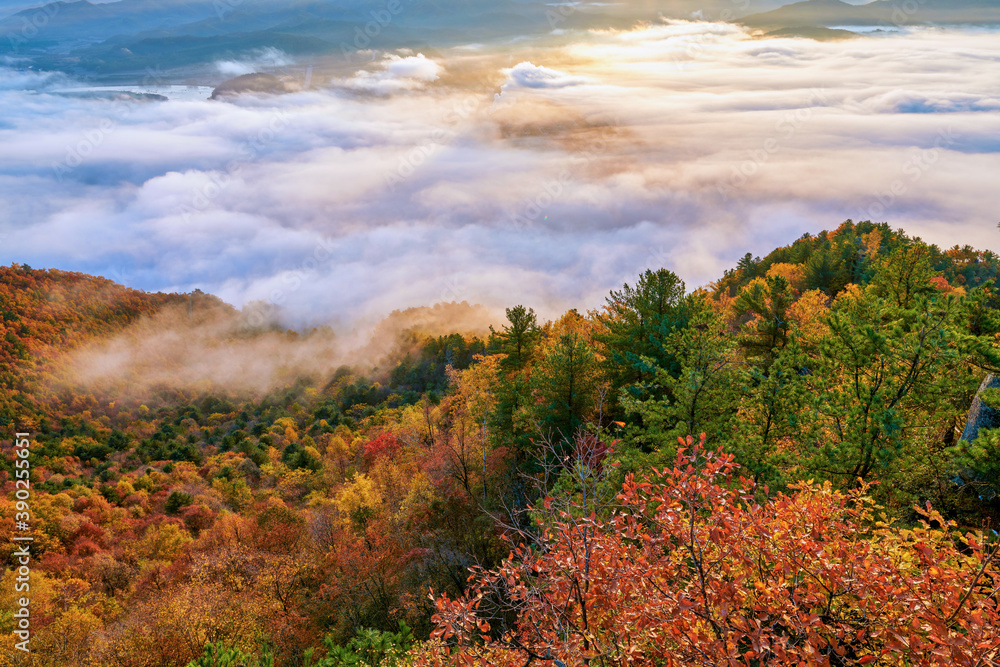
point(981, 415)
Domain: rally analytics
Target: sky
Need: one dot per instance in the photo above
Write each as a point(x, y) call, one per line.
point(538, 174)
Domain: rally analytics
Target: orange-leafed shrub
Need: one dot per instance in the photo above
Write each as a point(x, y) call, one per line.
point(695, 570)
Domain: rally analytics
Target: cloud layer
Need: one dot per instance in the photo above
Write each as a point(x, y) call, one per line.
point(396, 74)
point(545, 176)
point(256, 60)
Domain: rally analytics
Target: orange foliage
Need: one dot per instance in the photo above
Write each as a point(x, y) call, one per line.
point(694, 571)
point(793, 273)
point(808, 315)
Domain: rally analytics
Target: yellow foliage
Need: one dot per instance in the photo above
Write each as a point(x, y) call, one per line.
point(236, 494)
point(478, 385)
point(49, 510)
point(571, 322)
point(392, 480)
point(40, 594)
point(344, 433)
point(65, 446)
point(808, 316)
point(69, 638)
point(412, 425)
point(356, 494)
point(294, 483)
point(793, 273)
point(420, 494)
point(163, 542)
point(872, 241)
point(337, 447)
point(274, 456)
point(757, 283)
point(124, 488)
point(851, 292)
point(173, 627)
point(185, 472)
point(318, 499)
point(217, 418)
point(282, 424)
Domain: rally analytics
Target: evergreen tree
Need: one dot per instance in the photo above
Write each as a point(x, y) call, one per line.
point(565, 382)
point(703, 395)
point(890, 364)
point(518, 337)
point(771, 415)
point(637, 322)
point(766, 334)
point(822, 271)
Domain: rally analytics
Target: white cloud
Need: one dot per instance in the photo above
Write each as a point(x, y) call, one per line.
point(689, 145)
point(533, 76)
point(255, 61)
point(395, 74)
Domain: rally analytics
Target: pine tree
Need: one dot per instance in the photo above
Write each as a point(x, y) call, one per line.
point(565, 382)
point(637, 323)
point(518, 338)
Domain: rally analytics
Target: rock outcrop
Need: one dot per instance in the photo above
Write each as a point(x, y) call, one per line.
point(981, 415)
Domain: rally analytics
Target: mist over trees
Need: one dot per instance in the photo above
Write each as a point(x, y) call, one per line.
point(766, 470)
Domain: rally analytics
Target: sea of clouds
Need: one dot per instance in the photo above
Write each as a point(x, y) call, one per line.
point(540, 175)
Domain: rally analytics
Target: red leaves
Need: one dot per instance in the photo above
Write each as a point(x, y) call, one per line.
point(385, 445)
point(693, 571)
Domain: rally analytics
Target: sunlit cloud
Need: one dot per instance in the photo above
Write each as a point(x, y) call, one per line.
point(395, 74)
point(681, 144)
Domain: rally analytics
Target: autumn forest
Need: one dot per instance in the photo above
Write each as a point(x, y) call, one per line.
point(773, 469)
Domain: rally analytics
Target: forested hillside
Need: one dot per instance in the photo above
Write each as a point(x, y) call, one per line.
point(484, 500)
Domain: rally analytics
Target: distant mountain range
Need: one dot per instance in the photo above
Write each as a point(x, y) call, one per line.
point(133, 36)
point(130, 38)
point(883, 13)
